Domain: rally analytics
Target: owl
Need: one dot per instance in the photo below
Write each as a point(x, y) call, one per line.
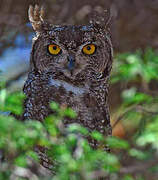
point(70, 64)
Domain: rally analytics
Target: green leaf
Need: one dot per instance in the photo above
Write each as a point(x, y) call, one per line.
point(128, 177)
point(114, 142)
point(150, 134)
point(130, 96)
point(33, 155)
point(97, 136)
point(76, 128)
point(3, 95)
point(54, 106)
point(137, 154)
point(21, 161)
point(70, 113)
point(12, 102)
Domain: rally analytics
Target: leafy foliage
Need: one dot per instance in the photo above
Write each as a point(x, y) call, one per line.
point(76, 159)
point(68, 146)
point(138, 111)
point(136, 66)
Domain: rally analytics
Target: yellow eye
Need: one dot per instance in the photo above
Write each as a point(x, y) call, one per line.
point(54, 49)
point(89, 49)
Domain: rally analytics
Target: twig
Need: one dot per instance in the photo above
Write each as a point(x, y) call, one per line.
point(121, 116)
point(98, 174)
point(137, 108)
point(139, 168)
point(142, 109)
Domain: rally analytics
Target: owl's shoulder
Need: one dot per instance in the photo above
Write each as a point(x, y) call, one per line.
point(30, 84)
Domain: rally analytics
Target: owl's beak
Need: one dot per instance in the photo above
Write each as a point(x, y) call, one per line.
point(71, 63)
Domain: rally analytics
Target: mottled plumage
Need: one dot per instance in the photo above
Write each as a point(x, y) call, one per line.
point(72, 78)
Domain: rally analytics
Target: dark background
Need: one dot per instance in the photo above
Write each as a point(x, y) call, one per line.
point(135, 23)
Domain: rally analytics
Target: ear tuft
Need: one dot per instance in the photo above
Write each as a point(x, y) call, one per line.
point(36, 16)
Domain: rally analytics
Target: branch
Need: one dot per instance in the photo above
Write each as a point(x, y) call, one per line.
point(139, 168)
point(137, 108)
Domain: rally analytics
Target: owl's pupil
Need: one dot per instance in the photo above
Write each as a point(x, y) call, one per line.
point(54, 48)
point(88, 48)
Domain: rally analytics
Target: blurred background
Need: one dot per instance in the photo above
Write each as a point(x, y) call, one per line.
point(134, 80)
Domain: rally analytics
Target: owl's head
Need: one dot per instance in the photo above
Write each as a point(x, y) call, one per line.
point(72, 51)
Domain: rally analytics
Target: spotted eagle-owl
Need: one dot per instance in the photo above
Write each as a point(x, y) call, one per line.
point(70, 65)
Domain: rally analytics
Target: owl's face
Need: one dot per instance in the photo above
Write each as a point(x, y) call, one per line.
point(71, 50)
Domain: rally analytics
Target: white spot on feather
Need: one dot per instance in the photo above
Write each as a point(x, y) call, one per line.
point(68, 87)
